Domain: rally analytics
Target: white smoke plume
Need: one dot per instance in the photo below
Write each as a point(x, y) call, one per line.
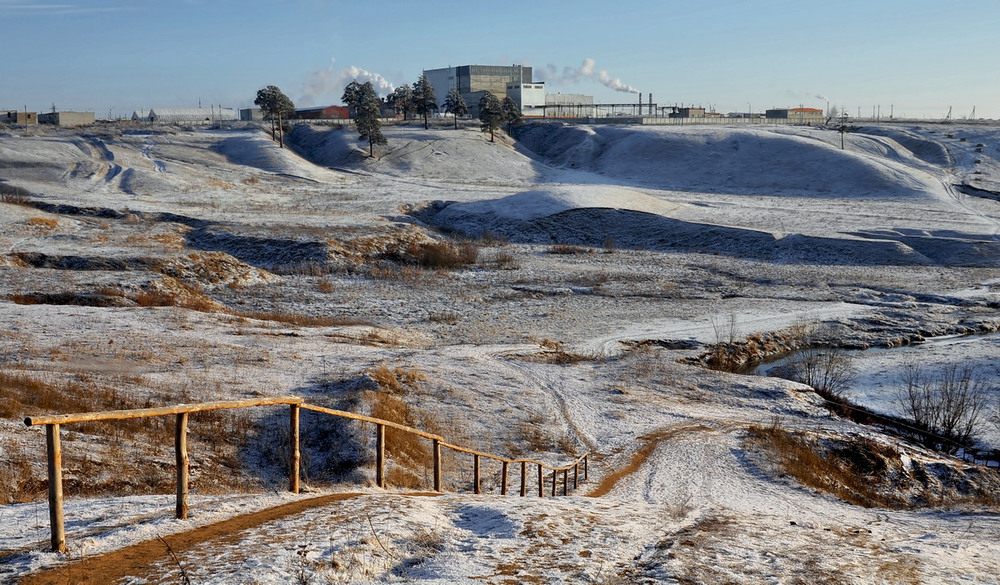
point(326, 86)
point(588, 70)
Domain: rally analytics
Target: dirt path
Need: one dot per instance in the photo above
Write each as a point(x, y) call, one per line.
point(137, 559)
point(652, 441)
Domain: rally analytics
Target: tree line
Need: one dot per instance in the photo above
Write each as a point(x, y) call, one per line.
point(418, 99)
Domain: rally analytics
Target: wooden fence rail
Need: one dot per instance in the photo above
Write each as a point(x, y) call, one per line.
point(181, 411)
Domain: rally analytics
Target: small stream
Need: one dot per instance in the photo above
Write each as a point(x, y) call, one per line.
point(878, 371)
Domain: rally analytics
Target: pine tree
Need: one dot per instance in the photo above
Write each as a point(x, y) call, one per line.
point(353, 95)
point(275, 104)
point(511, 114)
point(424, 100)
point(368, 110)
point(401, 99)
point(490, 113)
point(455, 105)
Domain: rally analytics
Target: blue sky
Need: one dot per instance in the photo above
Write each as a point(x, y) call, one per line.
point(913, 57)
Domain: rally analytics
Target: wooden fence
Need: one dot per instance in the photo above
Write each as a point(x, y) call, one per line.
point(181, 411)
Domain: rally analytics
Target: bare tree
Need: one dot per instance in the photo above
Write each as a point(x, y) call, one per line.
point(952, 404)
point(829, 371)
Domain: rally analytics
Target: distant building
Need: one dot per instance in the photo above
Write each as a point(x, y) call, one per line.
point(473, 81)
point(569, 105)
point(251, 115)
point(687, 113)
point(530, 97)
point(67, 119)
point(188, 115)
point(322, 113)
point(17, 117)
point(797, 115)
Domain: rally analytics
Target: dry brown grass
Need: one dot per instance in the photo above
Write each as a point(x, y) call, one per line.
point(13, 195)
point(568, 249)
point(43, 222)
point(116, 457)
point(224, 185)
point(444, 255)
point(408, 455)
point(395, 380)
point(849, 473)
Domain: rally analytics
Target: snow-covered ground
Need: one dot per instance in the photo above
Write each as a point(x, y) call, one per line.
point(626, 249)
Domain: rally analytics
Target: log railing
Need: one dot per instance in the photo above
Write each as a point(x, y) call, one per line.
point(181, 411)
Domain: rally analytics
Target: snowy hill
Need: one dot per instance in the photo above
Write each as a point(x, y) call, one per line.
point(160, 266)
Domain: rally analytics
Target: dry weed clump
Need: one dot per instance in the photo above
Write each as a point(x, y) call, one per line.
point(395, 380)
point(43, 222)
point(871, 473)
point(13, 195)
point(851, 479)
point(504, 259)
point(408, 455)
point(444, 255)
point(568, 249)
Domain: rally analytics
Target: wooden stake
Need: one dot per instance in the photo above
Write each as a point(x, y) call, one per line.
point(380, 456)
point(555, 482)
point(576, 476)
point(475, 474)
point(503, 478)
point(181, 455)
point(54, 456)
point(565, 481)
point(437, 465)
point(541, 482)
point(524, 478)
point(295, 456)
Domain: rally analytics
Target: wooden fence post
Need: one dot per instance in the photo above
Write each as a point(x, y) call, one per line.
point(541, 482)
point(576, 476)
point(181, 455)
point(296, 455)
point(380, 455)
point(524, 478)
point(503, 479)
point(555, 482)
point(437, 465)
point(565, 481)
point(586, 466)
point(475, 474)
point(54, 455)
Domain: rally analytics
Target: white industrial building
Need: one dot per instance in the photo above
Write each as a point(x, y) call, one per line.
point(514, 81)
point(186, 115)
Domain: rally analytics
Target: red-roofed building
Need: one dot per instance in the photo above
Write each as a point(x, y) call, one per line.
point(797, 115)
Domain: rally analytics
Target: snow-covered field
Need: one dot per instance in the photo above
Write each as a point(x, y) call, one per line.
point(608, 257)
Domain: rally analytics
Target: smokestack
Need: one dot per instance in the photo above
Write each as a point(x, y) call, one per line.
point(640, 104)
point(651, 104)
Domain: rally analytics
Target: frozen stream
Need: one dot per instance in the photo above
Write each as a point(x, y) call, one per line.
point(878, 370)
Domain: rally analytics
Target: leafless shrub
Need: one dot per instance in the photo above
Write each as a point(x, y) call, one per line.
point(14, 195)
point(952, 403)
point(828, 371)
point(568, 249)
point(444, 255)
point(504, 259)
point(447, 317)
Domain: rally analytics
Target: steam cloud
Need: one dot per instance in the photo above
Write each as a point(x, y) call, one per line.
point(327, 85)
point(588, 70)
